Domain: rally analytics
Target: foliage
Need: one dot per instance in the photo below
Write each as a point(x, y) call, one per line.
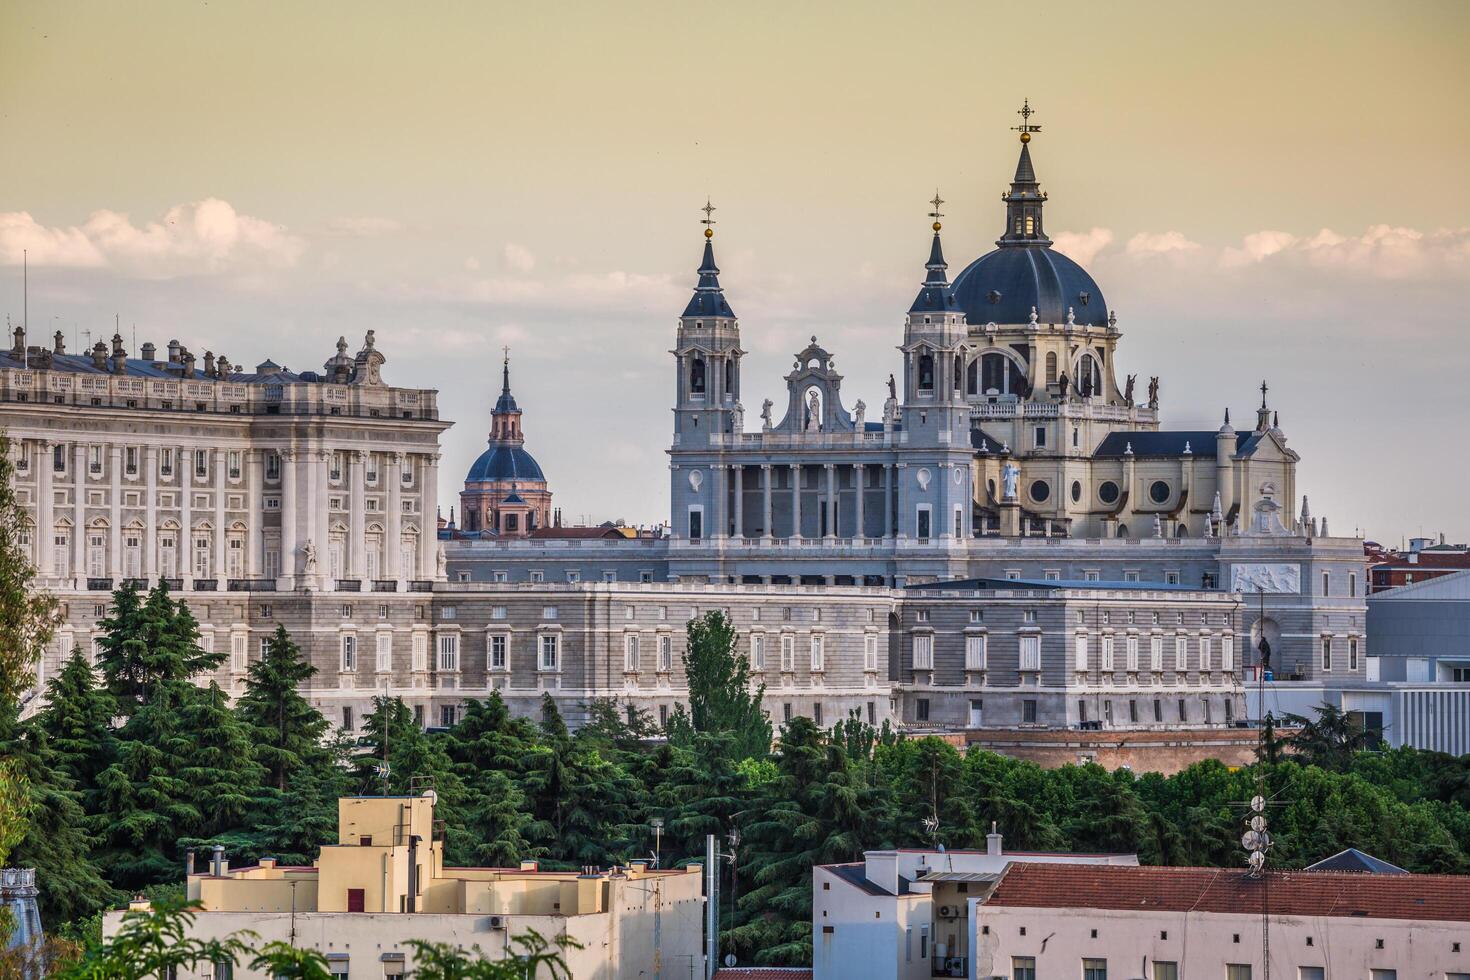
point(720, 695)
point(153, 943)
point(533, 956)
point(287, 732)
point(28, 617)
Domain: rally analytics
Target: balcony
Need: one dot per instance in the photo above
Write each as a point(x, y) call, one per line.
point(173, 584)
point(420, 585)
point(206, 585)
point(349, 585)
point(385, 585)
point(99, 585)
point(135, 583)
point(251, 585)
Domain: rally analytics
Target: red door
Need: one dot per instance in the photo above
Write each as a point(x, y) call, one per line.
point(354, 899)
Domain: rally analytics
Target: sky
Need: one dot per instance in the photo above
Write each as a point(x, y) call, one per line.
point(1262, 190)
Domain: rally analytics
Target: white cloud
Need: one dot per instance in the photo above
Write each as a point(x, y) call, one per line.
point(366, 227)
point(1083, 246)
point(207, 236)
point(1160, 243)
point(518, 258)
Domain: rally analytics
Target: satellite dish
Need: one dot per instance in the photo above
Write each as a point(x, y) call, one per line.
point(1258, 822)
point(1258, 803)
point(1249, 840)
point(730, 959)
point(1257, 859)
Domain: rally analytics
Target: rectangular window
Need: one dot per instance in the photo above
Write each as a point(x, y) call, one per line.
point(1326, 653)
point(1352, 653)
point(870, 652)
point(239, 655)
point(347, 725)
point(974, 651)
point(817, 713)
point(349, 652)
point(355, 900)
point(757, 651)
point(1165, 970)
point(1227, 653)
point(1326, 584)
point(923, 533)
point(1028, 711)
point(1133, 711)
point(1031, 652)
point(1319, 973)
point(1352, 585)
point(548, 612)
point(420, 652)
point(788, 653)
point(1131, 646)
point(819, 653)
point(1107, 654)
point(1156, 653)
point(1181, 653)
point(1094, 969)
point(449, 651)
point(1081, 653)
point(630, 653)
point(550, 651)
point(696, 524)
point(498, 652)
point(924, 651)
point(448, 715)
point(921, 709)
point(1239, 971)
point(1023, 968)
point(385, 652)
point(1206, 653)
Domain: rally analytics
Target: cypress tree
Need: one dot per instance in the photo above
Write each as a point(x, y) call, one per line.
point(720, 699)
point(286, 731)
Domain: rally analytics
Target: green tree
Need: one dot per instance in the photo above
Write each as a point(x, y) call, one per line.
point(147, 643)
point(218, 767)
point(720, 697)
point(528, 956)
point(77, 720)
point(154, 943)
point(28, 616)
point(286, 731)
point(1329, 740)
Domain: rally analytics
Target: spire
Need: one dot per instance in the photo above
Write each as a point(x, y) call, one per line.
point(936, 295)
point(1025, 199)
point(506, 402)
point(708, 298)
point(1263, 414)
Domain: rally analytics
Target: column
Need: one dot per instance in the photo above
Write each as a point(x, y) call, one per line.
point(796, 502)
point(45, 510)
point(79, 514)
point(184, 550)
point(288, 516)
point(941, 502)
point(255, 507)
point(221, 553)
point(737, 475)
point(831, 502)
point(888, 522)
point(719, 492)
point(115, 516)
point(394, 534)
point(766, 531)
point(150, 518)
point(858, 472)
point(356, 514)
point(321, 515)
point(429, 518)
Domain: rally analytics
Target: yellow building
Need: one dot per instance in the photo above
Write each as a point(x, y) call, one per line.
point(384, 882)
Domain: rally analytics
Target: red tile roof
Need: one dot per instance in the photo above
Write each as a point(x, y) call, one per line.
point(763, 973)
point(1149, 889)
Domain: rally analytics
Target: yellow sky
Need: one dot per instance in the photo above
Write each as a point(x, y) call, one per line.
point(460, 175)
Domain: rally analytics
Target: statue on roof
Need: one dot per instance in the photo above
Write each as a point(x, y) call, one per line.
point(1128, 389)
point(1153, 392)
point(1062, 382)
point(892, 388)
point(737, 419)
point(766, 415)
point(860, 415)
point(813, 412)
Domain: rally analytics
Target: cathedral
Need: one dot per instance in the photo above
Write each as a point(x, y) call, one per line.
point(505, 493)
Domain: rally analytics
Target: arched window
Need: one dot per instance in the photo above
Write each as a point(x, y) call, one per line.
point(999, 373)
point(972, 378)
point(926, 372)
point(1030, 225)
point(958, 372)
point(1089, 376)
point(1051, 367)
point(696, 376)
point(730, 377)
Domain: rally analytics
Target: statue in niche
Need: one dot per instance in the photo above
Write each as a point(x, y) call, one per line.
point(813, 412)
point(441, 563)
point(860, 415)
point(1153, 392)
point(737, 418)
point(766, 415)
point(1128, 389)
point(892, 388)
point(308, 551)
point(1010, 476)
point(1062, 382)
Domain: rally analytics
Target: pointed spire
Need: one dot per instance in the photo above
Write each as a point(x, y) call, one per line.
point(506, 402)
point(936, 295)
point(1025, 199)
point(708, 298)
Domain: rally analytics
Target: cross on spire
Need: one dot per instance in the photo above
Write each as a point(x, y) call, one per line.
point(1026, 129)
point(936, 214)
point(1264, 389)
point(708, 209)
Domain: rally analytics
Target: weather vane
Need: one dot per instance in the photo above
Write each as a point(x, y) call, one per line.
point(1026, 129)
point(708, 210)
point(936, 214)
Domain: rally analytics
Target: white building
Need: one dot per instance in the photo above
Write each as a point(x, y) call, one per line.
point(904, 913)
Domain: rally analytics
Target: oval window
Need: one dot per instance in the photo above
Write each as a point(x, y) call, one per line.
point(1040, 490)
point(1076, 491)
point(1108, 492)
point(1159, 491)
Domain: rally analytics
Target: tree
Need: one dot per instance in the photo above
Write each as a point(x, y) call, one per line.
point(148, 643)
point(77, 721)
point(286, 731)
point(720, 698)
point(154, 943)
point(1329, 740)
point(528, 957)
point(28, 616)
point(218, 767)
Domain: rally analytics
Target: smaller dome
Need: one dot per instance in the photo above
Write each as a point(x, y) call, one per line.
point(505, 463)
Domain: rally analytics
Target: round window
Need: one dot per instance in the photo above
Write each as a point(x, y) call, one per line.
point(1076, 491)
point(1159, 491)
point(1108, 492)
point(1040, 490)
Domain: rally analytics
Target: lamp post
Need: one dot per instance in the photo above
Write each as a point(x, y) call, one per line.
point(657, 823)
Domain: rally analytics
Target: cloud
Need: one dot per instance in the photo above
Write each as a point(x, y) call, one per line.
point(204, 237)
point(518, 258)
point(1380, 252)
point(1083, 246)
point(1160, 243)
point(365, 227)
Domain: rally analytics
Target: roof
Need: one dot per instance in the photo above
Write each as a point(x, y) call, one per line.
point(1454, 586)
point(1442, 898)
point(978, 584)
point(1002, 287)
point(1353, 859)
point(935, 296)
point(500, 463)
point(578, 532)
point(1200, 442)
point(708, 298)
point(763, 973)
point(857, 876)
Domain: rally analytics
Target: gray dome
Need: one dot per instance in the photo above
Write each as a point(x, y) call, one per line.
point(1002, 286)
point(505, 463)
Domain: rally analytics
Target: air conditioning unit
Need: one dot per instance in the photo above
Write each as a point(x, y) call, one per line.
point(497, 922)
point(946, 912)
point(957, 967)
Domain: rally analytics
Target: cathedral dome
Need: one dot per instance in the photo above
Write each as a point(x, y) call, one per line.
point(1002, 286)
point(505, 463)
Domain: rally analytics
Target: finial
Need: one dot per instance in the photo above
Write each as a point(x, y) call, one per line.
point(1275, 420)
point(1264, 389)
point(1227, 416)
point(1033, 316)
point(936, 214)
point(707, 221)
point(1026, 129)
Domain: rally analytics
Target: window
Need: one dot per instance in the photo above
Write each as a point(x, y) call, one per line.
point(1107, 654)
point(349, 652)
point(921, 709)
point(1028, 711)
point(1081, 653)
point(1158, 710)
point(239, 655)
point(1373, 974)
point(1206, 653)
point(1131, 647)
point(1352, 585)
point(548, 612)
point(665, 653)
point(1318, 973)
point(1326, 653)
point(1165, 971)
point(1023, 968)
point(1352, 653)
point(1031, 652)
point(385, 652)
point(870, 652)
point(757, 651)
point(923, 533)
point(1238, 971)
point(448, 715)
point(788, 653)
point(1133, 711)
point(347, 718)
point(449, 651)
point(630, 653)
point(819, 653)
point(445, 612)
point(497, 652)
point(1181, 654)
point(817, 713)
point(1156, 653)
point(420, 652)
point(1041, 434)
point(550, 651)
point(355, 903)
point(696, 524)
point(1028, 616)
point(924, 651)
point(1094, 970)
point(974, 651)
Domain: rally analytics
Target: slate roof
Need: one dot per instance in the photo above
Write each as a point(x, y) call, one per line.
point(1201, 443)
point(857, 875)
point(708, 298)
point(1353, 859)
point(1002, 286)
point(978, 584)
point(137, 368)
point(505, 463)
point(1442, 898)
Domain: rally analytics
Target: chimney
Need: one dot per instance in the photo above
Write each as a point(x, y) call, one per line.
point(217, 863)
point(993, 841)
point(20, 342)
point(188, 862)
point(209, 364)
point(530, 865)
point(150, 353)
point(58, 343)
point(174, 350)
point(188, 360)
point(99, 355)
